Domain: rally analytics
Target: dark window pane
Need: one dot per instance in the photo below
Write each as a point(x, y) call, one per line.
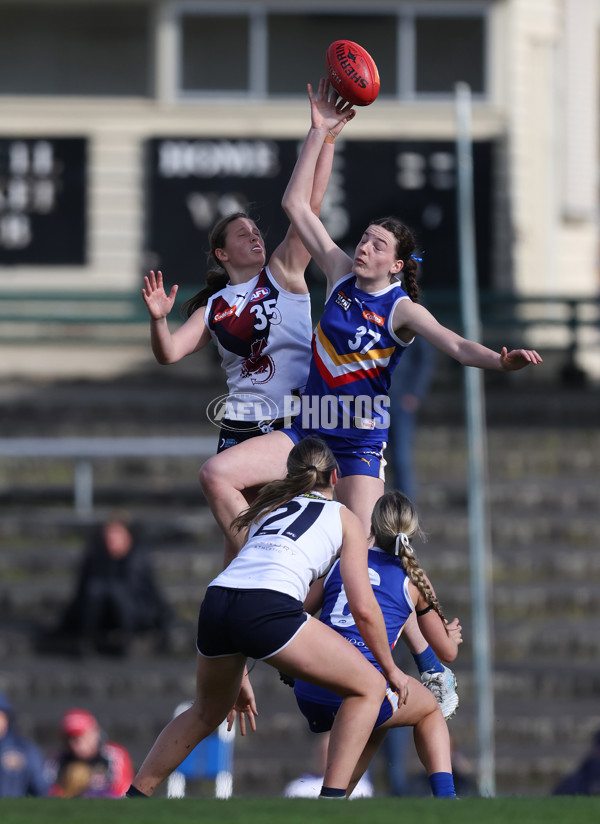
point(82, 51)
point(449, 49)
point(215, 53)
point(298, 42)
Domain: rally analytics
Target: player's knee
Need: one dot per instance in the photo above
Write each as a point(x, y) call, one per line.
point(211, 475)
point(376, 685)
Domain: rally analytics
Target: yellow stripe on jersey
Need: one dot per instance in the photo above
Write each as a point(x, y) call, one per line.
point(339, 364)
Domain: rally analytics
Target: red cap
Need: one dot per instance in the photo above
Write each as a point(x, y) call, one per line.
point(76, 722)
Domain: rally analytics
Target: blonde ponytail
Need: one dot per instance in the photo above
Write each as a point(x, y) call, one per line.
point(393, 523)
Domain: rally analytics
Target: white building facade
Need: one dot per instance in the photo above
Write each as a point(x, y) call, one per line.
point(117, 78)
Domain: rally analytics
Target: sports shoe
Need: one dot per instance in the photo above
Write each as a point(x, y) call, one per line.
point(443, 686)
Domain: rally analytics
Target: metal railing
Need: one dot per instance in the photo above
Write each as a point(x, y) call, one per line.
point(85, 451)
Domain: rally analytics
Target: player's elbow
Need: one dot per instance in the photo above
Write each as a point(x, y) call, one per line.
point(163, 359)
point(288, 205)
point(293, 206)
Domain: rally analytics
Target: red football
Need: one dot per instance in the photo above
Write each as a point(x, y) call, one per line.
point(352, 72)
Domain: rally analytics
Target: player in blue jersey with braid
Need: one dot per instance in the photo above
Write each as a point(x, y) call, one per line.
point(401, 587)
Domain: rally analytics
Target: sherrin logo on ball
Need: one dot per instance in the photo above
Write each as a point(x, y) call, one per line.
point(352, 72)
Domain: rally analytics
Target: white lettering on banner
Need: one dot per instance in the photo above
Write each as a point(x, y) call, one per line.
point(218, 158)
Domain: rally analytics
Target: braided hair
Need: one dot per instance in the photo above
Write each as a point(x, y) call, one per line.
point(309, 466)
point(393, 523)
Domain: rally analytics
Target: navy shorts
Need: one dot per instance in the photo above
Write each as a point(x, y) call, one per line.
point(353, 458)
point(321, 714)
point(257, 623)
point(234, 432)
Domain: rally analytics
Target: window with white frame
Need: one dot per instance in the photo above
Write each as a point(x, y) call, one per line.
point(85, 49)
point(272, 49)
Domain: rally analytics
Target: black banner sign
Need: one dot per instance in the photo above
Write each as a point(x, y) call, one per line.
point(42, 200)
point(194, 182)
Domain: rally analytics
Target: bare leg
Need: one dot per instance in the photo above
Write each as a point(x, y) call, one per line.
point(225, 476)
point(360, 493)
point(373, 744)
point(217, 686)
point(432, 739)
point(318, 654)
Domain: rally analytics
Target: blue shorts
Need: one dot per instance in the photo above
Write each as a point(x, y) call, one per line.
point(257, 623)
point(352, 458)
point(319, 706)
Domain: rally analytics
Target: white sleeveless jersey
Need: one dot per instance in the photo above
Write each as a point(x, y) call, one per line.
point(289, 549)
point(263, 334)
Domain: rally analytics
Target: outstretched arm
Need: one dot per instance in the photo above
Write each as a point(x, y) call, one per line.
point(190, 337)
point(290, 258)
point(328, 113)
point(413, 319)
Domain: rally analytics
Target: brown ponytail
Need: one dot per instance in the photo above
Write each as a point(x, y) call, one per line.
point(309, 466)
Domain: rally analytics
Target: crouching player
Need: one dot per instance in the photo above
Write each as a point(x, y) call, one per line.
point(400, 586)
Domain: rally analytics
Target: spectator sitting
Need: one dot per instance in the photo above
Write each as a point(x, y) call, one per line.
point(21, 762)
point(88, 766)
point(585, 780)
point(116, 596)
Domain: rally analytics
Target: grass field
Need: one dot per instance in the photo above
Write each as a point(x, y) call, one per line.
point(563, 810)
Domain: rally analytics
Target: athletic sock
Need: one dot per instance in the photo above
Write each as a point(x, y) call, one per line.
point(133, 792)
point(442, 785)
point(332, 792)
point(427, 661)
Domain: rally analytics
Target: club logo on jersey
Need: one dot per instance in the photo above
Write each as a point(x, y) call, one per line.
point(260, 293)
point(226, 314)
point(258, 367)
point(373, 317)
point(342, 300)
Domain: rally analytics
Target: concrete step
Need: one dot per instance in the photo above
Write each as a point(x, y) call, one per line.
point(537, 737)
point(524, 602)
point(531, 525)
point(180, 558)
point(568, 495)
point(579, 530)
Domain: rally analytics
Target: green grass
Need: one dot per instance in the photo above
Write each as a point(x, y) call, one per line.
point(563, 810)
